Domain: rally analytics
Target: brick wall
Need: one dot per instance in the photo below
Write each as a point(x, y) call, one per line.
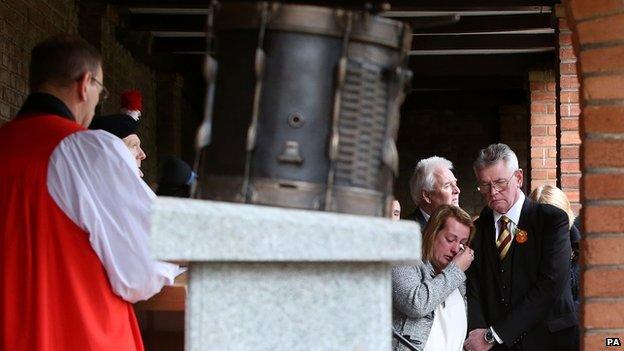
point(598, 39)
point(543, 131)
point(22, 25)
point(568, 113)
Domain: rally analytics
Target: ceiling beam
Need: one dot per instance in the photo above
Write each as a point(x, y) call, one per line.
point(394, 4)
point(439, 45)
point(417, 11)
point(490, 24)
point(479, 51)
point(482, 41)
point(440, 25)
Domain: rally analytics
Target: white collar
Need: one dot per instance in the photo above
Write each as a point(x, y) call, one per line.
point(135, 114)
point(514, 211)
point(424, 214)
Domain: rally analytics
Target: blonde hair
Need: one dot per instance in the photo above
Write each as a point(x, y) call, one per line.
point(548, 194)
point(436, 223)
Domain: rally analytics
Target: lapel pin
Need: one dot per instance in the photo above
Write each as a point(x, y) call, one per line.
point(521, 236)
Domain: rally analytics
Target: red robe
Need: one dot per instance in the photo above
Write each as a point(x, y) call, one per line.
point(54, 291)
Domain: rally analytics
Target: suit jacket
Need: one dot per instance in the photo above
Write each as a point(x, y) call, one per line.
point(418, 217)
point(526, 298)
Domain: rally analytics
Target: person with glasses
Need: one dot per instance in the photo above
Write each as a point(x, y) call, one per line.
point(74, 215)
point(519, 295)
point(433, 184)
point(103, 91)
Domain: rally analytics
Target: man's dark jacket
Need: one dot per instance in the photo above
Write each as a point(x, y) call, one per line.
point(526, 297)
point(418, 217)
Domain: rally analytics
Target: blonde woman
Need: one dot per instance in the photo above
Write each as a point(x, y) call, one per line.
point(429, 307)
point(552, 195)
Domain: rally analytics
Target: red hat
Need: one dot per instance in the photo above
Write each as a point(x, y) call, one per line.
point(125, 123)
point(132, 100)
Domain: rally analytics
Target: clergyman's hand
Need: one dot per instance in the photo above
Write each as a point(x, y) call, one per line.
point(476, 341)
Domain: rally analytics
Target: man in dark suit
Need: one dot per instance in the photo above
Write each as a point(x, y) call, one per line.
point(432, 184)
point(519, 286)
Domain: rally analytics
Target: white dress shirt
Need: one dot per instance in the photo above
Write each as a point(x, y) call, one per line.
point(426, 216)
point(513, 214)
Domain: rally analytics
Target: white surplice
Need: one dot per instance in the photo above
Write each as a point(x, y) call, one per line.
point(94, 179)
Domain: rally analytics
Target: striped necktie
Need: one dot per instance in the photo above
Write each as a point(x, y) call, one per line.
point(504, 238)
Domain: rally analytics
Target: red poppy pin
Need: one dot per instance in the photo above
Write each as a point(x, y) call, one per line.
point(521, 236)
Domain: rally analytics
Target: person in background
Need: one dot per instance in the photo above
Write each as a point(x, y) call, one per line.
point(74, 215)
point(432, 184)
point(395, 210)
point(549, 194)
point(125, 125)
point(428, 299)
point(176, 178)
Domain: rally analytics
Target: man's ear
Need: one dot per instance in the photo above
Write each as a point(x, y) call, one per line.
point(519, 177)
point(425, 196)
point(83, 85)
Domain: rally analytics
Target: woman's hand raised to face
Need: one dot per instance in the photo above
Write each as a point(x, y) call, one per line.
point(464, 258)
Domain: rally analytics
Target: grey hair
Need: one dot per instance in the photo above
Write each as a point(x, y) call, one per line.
point(423, 178)
point(495, 153)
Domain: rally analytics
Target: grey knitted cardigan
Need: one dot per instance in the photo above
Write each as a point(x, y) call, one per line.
point(416, 292)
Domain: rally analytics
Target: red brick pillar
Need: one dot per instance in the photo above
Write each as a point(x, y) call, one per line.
point(598, 38)
point(568, 113)
point(543, 129)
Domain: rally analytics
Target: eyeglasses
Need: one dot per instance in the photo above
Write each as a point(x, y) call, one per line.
point(498, 185)
point(103, 92)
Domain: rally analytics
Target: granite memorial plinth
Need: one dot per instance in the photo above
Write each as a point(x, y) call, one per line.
point(267, 278)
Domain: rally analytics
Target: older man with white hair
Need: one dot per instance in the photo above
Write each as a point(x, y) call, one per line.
point(433, 184)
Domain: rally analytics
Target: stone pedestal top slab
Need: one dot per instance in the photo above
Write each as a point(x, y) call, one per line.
point(212, 231)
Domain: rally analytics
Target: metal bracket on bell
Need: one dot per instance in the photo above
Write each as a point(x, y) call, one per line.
point(290, 154)
point(259, 67)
